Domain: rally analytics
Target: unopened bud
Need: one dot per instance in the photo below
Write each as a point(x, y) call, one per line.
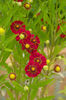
point(26, 88)
point(45, 67)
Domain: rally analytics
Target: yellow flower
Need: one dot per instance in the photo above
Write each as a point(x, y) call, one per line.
point(27, 5)
point(57, 68)
point(26, 88)
point(44, 28)
point(2, 31)
point(12, 76)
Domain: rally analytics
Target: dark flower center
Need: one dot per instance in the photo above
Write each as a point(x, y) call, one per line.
point(32, 69)
point(17, 26)
point(33, 40)
point(38, 60)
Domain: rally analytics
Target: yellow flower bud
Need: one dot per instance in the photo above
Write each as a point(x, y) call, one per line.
point(26, 88)
point(30, 1)
point(35, 16)
point(48, 61)
point(2, 31)
point(30, 30)
point(59, 57)
point(19, 3)
point(21, 36)
point(10, 64)
point(45, 67)
point(47, 41)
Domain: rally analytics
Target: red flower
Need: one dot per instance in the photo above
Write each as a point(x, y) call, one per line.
point(23, 35)
point(32, 69)
point(38, 59)
point(31, 44)
point(19, 0)
point(62, 35)
point(35, 41)
point(16, 26)
point(58, 27)
point(42, 20)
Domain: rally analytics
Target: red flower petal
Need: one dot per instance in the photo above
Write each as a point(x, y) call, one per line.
point(58, 27)
point(37, 56)
point(17, 38)
point(30, 72)
point(62, 35)
point(42, 20)
point(19, 0)
point(14, 27)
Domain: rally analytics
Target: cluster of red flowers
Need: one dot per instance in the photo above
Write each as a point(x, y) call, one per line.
point(30, 43)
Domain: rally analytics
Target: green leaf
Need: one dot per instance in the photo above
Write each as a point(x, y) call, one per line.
point(35, 86)
point(8, 50)
point(3, 78)
point(17, 86)
point(47, 98)
point(6, 42)
point(58, 48)
point(10, 94)
point(6, 67)
point(9, 85)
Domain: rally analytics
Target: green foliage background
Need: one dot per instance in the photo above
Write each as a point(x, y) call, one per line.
point(51, 11)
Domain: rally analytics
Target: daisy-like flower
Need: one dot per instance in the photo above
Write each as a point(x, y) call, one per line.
point(57, 68)
point(43, 28)
point(62, 35)
point(16, 26)
point(12, 76)
point(31, 44)
point(27, 6)
point(35, 41)
point(32, 69)
point(23, 35)
point(38, 59)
